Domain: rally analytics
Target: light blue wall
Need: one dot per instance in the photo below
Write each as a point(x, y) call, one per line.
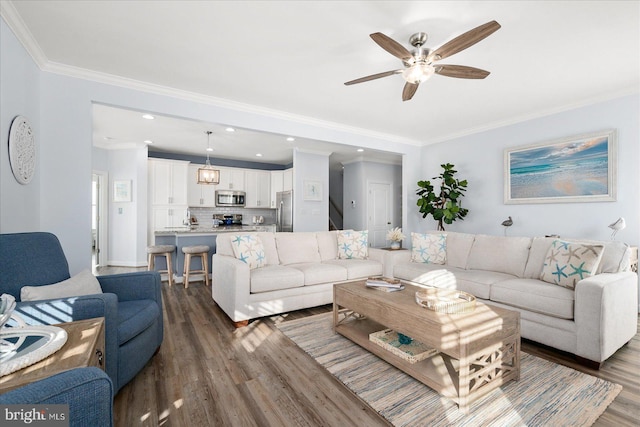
point(19, 95)
point(310, 215)
point(479, 158)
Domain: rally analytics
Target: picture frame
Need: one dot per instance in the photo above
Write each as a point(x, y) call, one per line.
point(312, 191)
point(580, 168)
point(122, 190)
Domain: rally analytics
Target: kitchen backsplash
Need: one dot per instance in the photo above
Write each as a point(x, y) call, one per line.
point(205, 215)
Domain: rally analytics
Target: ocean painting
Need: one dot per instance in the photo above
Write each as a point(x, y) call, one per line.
point(576, 169)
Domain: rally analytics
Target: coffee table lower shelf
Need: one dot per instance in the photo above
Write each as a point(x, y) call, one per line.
point(441, 372)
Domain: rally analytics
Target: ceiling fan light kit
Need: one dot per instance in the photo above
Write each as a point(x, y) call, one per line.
point(420, 63)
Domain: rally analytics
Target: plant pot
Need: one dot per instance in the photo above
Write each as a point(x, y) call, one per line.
point(396, 245)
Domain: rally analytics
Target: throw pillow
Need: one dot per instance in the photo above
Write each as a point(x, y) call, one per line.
point(83, 283)
point(353, 244)
point(567, 263)
point(429, 248)
point(249, 249)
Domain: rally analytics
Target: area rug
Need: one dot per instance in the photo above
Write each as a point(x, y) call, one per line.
point(547, 394)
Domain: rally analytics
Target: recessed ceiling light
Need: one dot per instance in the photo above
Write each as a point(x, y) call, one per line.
point(148, 116)
point(107, 138)
point(209, 149)
point(258, 155)
point(230, 129)
point(291, 139)
point(360, 150)
point(148, 141)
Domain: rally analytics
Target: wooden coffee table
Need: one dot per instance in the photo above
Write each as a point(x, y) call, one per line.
point(478, 351)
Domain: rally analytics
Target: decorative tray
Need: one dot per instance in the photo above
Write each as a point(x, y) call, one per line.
point(412, 352)
point(449, 301)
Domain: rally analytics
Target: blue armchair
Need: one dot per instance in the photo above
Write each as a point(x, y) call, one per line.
point(87, 391)
point(131, 303)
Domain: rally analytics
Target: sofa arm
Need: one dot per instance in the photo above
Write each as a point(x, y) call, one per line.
point(605, 313)
point(133, 286)
point(87, 391)
point(231, 285)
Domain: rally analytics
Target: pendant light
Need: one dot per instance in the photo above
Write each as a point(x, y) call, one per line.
point(207, 174)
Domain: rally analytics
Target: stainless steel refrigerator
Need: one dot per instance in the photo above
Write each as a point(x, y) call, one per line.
point(284, 206)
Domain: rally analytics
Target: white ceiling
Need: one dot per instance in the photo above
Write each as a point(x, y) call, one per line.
point(293, 58)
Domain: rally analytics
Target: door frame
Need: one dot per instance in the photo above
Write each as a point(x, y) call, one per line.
point(102, 241)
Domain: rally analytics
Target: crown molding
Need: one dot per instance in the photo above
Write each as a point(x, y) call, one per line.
point(22, 32)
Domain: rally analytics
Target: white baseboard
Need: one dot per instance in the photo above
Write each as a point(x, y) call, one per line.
point(113, 263)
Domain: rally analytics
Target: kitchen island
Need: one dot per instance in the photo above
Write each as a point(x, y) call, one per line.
point(192, 236)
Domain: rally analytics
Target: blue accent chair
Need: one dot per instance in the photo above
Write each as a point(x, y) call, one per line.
point(87, 391)
point(131, 303)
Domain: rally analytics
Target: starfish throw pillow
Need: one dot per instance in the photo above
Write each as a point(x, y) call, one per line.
point(567, 263)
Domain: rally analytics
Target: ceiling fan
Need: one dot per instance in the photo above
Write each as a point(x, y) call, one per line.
point(421, 63)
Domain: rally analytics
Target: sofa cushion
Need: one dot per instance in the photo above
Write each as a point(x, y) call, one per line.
point(135, 317)
point(429, 248)
point(353, 244)
point(315, 273)
point(358, 268)
point(248, 248)
point(615, 256)
point(537, 254)
point(475, 282)
point(83, 283)
point(296, 248)
point(458, 247)
point(327, 245)
point(535, 295)
point(275, 277)
point(501, 254)
point(568, 263)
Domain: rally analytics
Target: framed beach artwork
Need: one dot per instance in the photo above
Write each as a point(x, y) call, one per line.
point(122, 191)
point(580, 168)
point(312, 190)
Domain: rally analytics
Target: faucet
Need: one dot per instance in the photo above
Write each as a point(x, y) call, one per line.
point(187, 220)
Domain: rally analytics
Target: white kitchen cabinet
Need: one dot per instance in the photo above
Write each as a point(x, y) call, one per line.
point(199, 195)
point(232, 179)
point(287, 180)
point(168, 182)
point(277, 182)
point(257, 187)
point(165, 217)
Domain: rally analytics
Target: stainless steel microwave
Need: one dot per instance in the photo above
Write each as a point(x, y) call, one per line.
point(230, 198)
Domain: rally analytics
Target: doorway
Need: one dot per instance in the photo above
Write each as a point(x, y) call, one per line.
point(379, 212)
point(99, 199)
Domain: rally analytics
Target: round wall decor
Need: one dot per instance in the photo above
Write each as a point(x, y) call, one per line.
point(22, 150)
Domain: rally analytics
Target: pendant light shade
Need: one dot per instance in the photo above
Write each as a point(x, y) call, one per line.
point(207, 174)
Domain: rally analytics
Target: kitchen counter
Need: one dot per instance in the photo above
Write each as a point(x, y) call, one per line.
point(213, 230)
point(194, 236)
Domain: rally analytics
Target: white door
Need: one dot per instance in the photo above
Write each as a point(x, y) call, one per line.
point(378, 213)
point(99, 204)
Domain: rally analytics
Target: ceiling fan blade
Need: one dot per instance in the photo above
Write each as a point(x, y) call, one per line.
point(373, 77)
point(391, 46)
point(461, 71)
point(465, 40)
point(409, 90)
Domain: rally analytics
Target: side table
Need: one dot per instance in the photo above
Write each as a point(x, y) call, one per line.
point(84, 347)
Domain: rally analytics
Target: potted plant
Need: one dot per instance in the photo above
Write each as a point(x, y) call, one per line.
point(444, 205)
point(396, 237)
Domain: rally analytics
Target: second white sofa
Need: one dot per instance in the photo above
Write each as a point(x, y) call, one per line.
point(301, 269)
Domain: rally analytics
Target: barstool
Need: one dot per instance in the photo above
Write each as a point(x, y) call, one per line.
point(165, 251)
point(203, 252)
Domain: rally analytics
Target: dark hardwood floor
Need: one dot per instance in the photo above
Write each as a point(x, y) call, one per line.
point(208, 373)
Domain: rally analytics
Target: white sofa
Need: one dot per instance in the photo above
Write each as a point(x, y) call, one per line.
point(592, 321)
point(300, 272)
